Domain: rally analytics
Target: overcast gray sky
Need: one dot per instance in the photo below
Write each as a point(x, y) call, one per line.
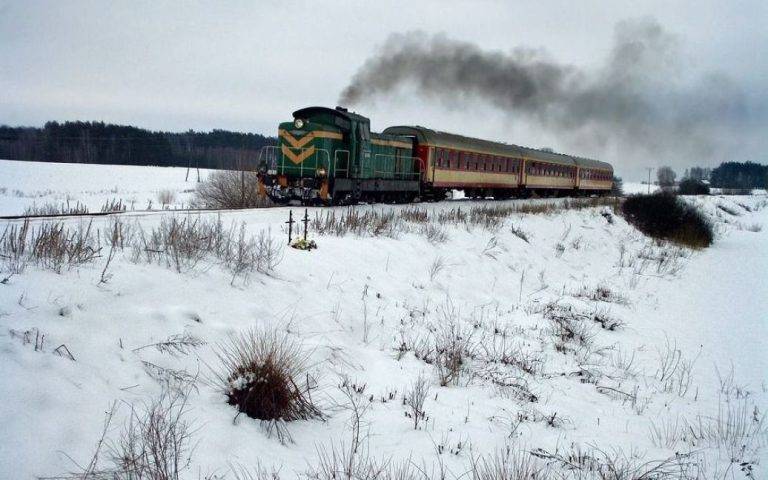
point(247, 65)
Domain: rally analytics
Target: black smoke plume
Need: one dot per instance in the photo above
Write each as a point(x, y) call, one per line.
point(639, 102)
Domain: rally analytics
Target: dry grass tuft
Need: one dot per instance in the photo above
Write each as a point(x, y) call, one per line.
point(260, 373)
point(508, 464)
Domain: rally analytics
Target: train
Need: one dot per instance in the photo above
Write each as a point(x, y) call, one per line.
point(329, 156)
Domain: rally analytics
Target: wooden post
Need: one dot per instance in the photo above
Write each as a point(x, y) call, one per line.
point(305, 221)
point(290, 223)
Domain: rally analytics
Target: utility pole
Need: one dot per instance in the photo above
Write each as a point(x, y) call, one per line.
point(649, 179)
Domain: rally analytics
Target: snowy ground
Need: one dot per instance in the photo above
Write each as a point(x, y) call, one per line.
point(25, 185)
point(367, 306)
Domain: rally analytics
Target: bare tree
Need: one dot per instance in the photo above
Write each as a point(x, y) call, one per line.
point(666, 176)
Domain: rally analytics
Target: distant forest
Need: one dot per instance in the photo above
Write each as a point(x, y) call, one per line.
point(739, 175)
point(98, 142)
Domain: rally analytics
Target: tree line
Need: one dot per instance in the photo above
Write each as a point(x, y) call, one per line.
point(98, 142)
point(729, 175)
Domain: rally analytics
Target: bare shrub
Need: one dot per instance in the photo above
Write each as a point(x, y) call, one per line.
point(358, 221)
point(504, 349)
point(182, 243)
point(153, 445)
point(453, 348)
point(437, 266)
point(56, 246)
point(245, 255)
point(675, 372)
point(567, 324)
point(507, 464)
point(341, 463)
point(490, 217)
point(50, 209)
point(358, 406)
point(166, 197)
point(231, 189)
point(260, 372)
point(113, 205)
point(51, 245)
point(414, 214)
point(739, 426)
point(414, 399)
point(118, 234)
point(13, 247)
point(377, 222)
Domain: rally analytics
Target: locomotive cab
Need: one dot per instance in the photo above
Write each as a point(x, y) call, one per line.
point(328, 156)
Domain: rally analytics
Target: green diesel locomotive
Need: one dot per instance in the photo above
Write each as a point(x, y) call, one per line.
point(330, 156)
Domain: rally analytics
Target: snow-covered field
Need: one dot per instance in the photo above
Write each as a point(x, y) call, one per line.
point(679, 367)
point(30, 185)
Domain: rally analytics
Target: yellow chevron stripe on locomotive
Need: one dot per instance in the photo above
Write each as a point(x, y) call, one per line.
point(296, 149)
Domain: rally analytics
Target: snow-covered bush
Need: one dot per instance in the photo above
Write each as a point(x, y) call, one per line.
point(261, 372)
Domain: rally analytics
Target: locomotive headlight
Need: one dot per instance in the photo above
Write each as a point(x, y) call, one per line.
point(321, 172)
point(298, 123)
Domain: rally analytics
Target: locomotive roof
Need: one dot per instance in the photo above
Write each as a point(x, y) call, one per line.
point(460, 142)
point(343, 116)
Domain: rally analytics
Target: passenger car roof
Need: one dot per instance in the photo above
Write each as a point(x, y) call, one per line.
point(460, 142)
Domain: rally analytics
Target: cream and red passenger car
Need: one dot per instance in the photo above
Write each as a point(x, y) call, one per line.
point(485, 168)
